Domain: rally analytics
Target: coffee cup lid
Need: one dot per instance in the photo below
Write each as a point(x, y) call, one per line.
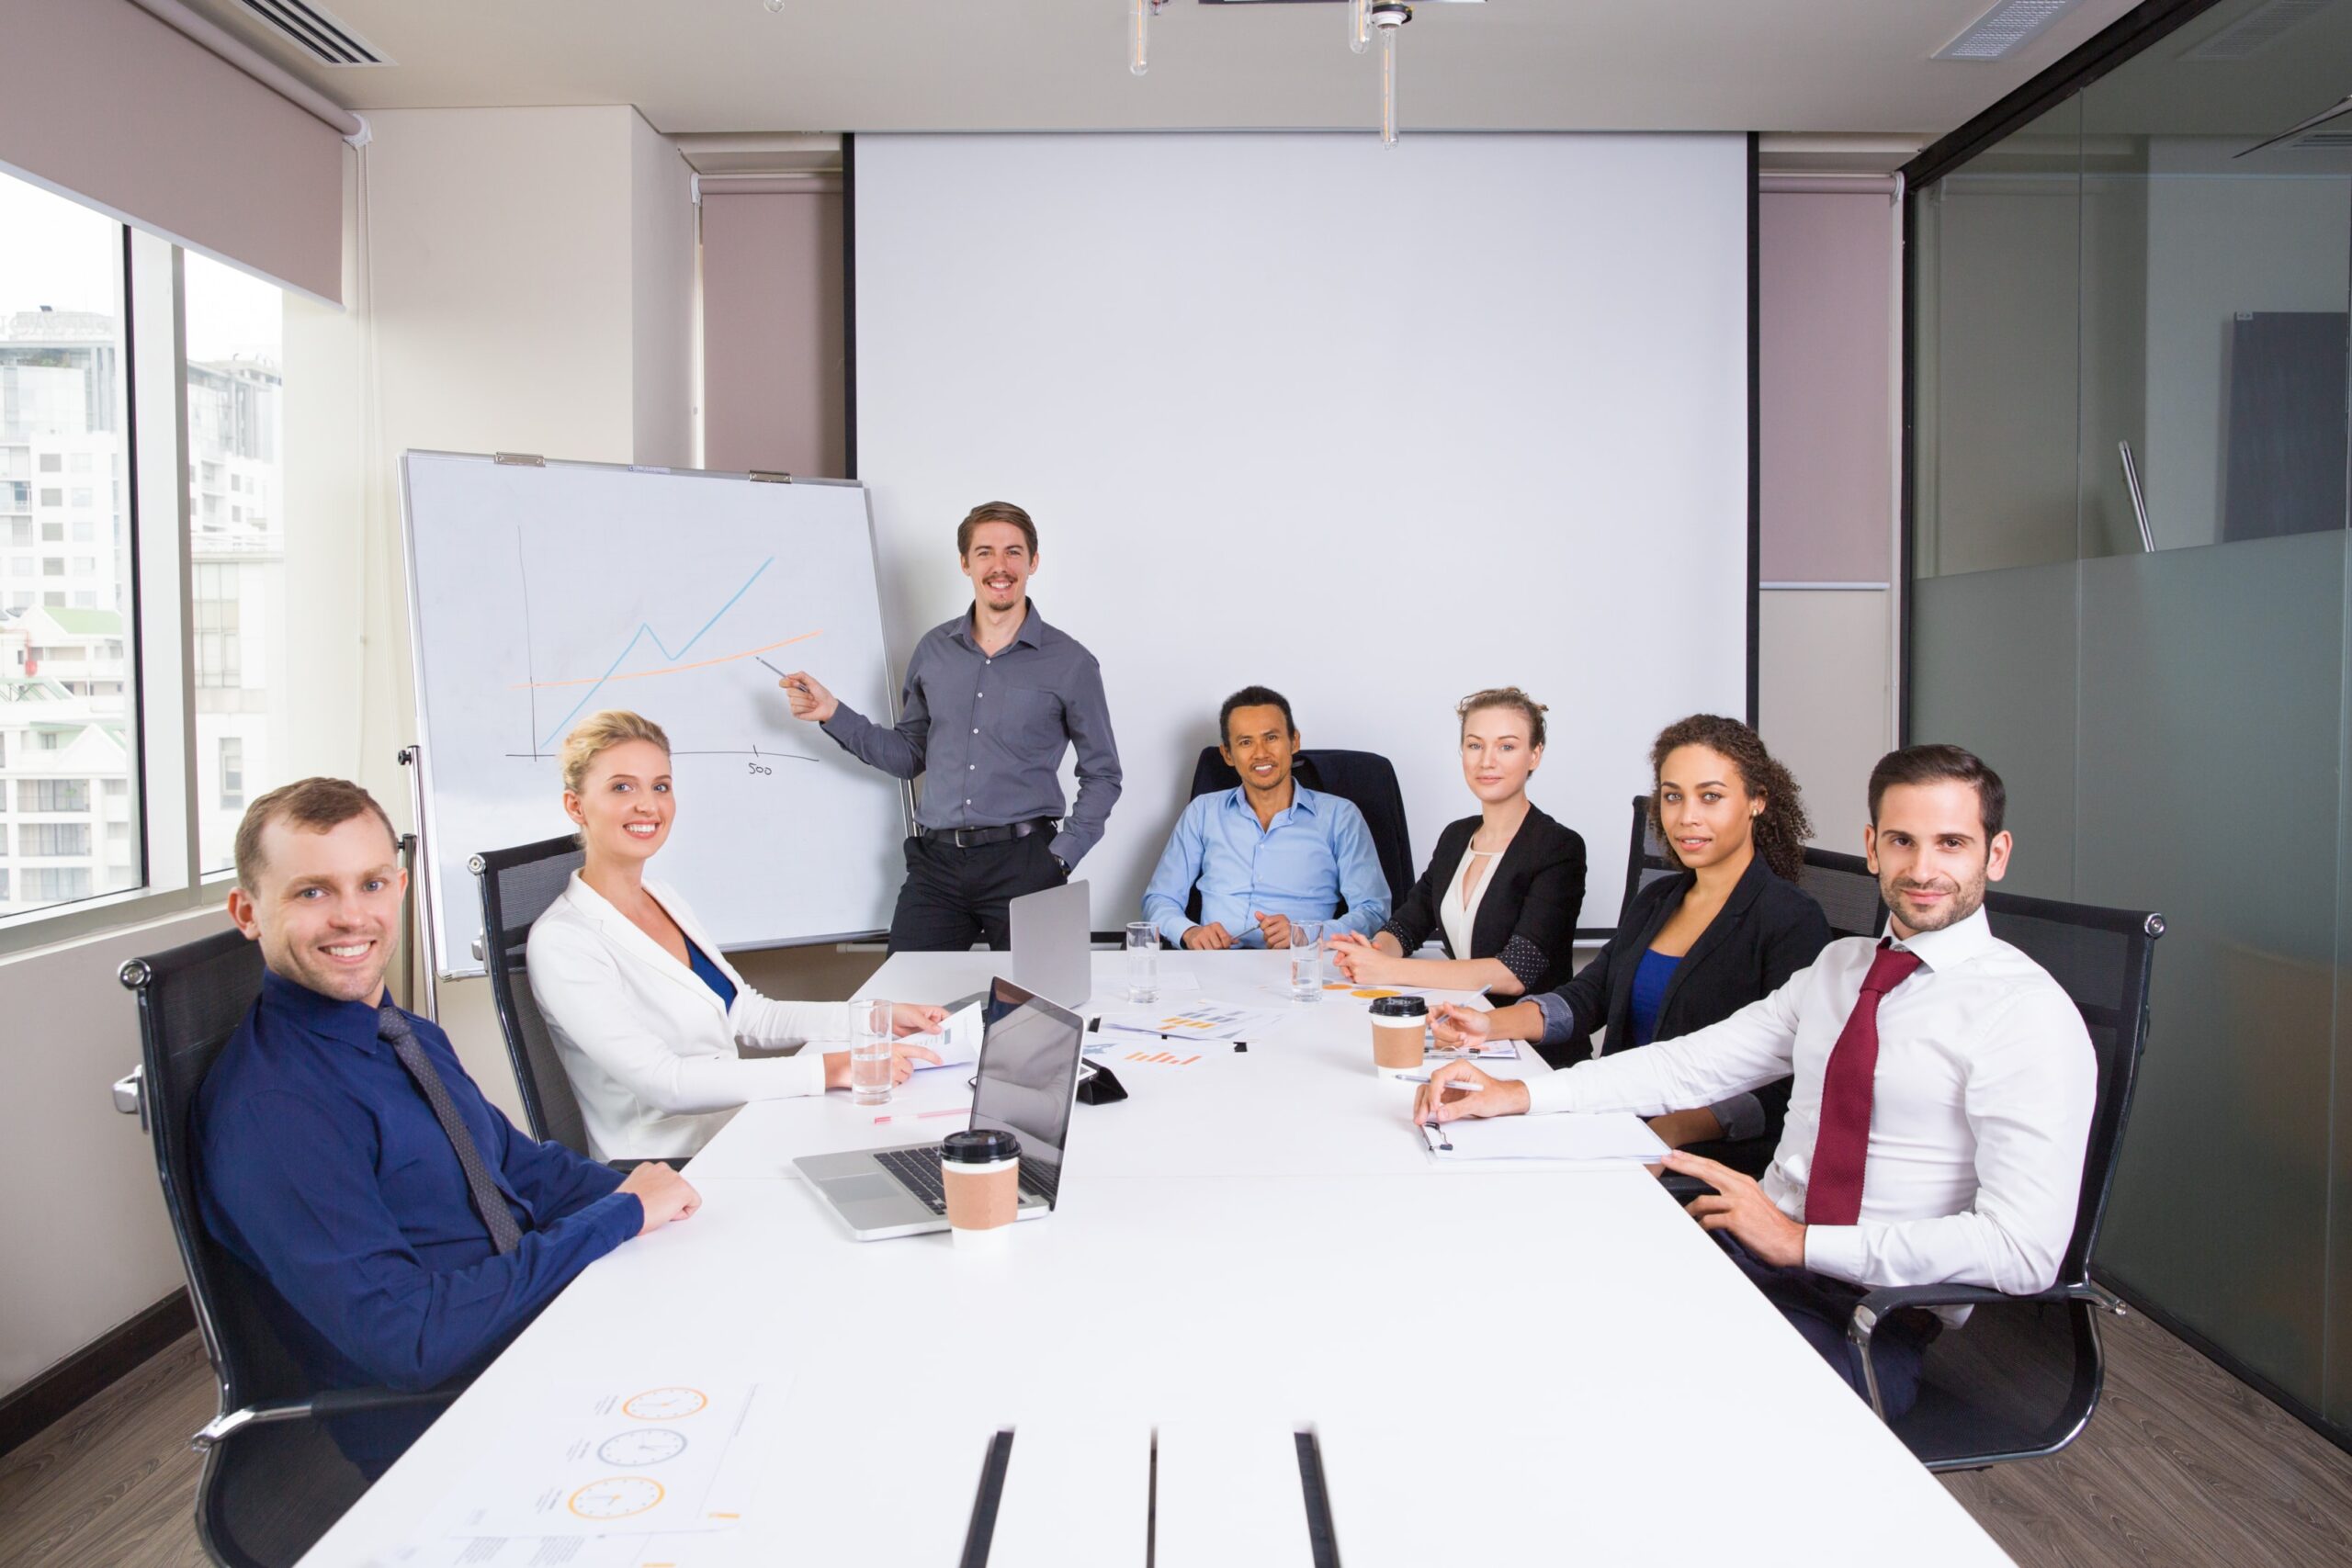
point(1399, 1007)
point(979, 1146)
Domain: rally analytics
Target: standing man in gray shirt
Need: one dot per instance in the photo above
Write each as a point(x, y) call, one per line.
point(992, 699)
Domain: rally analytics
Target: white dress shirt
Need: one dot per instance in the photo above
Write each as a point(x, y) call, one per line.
point(1979, 1110)
point(649, 1048)
point(1458, 918)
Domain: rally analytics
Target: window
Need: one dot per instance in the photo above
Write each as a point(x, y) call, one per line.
point(52, 884)
point(236, 337)
point(58, 839)
point(62, 372)
point(53, 795)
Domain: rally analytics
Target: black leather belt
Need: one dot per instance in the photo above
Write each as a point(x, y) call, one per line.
point(972, 838)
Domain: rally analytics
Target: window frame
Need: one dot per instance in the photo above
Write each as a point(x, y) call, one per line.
point(157, 522)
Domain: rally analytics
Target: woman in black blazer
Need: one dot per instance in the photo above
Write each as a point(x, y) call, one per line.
point(1697, 945)
point(1503, 890)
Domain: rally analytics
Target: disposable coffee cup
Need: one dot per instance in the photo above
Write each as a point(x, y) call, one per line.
point(1397, 1024)
point(980, 1170)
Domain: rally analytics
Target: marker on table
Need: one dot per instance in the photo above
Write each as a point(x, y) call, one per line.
point(924, 1115)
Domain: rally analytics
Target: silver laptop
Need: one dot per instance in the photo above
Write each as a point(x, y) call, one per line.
point(1051, 942)
point(1028, 1080)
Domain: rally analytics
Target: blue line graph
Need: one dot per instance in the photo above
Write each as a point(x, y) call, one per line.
point(644, 631)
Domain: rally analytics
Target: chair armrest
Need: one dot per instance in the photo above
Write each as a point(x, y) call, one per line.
point(1872, 1309)
point(325, 1403)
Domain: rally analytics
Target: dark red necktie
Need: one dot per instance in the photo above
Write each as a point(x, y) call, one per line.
point(1833, 1192)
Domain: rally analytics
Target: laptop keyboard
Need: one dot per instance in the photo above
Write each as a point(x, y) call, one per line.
point(917, 1170)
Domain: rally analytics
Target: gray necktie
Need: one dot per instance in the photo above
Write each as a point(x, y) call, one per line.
point(393, 1028)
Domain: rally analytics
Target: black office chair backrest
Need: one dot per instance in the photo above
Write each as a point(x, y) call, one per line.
point(517, 886)
point(1366, 779)
point(2103, 959)
point(267, 1490)
point(1841, 884)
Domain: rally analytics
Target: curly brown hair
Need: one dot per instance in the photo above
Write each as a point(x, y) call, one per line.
point(1781, 828)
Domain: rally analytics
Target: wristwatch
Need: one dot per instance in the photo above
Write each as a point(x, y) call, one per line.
point(1061, 864)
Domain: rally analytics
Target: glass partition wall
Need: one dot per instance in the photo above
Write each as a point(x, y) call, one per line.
point(2129, 593)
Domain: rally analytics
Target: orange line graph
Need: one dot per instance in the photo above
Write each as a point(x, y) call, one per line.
point(671, 669)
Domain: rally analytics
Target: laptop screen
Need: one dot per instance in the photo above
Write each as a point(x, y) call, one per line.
point(1028, 1077)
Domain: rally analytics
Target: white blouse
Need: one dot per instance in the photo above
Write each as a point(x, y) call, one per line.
point(1457, 917)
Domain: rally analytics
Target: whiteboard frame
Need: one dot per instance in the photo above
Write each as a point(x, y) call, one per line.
point(429, 893)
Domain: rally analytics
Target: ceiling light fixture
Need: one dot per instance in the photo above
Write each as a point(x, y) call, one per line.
point(1359, 26)
point(1366, 19)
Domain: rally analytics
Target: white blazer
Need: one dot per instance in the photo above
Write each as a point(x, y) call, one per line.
point(650, 1051)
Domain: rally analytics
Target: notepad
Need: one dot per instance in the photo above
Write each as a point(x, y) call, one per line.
point(1614, 1135)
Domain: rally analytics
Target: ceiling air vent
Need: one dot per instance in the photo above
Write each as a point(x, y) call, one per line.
point(2006, 29)
point(315, 33)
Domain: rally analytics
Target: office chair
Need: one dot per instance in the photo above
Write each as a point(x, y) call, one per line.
point(2022, 1378)
point(517, 886)
point(1366, 779)
point(273, 1480)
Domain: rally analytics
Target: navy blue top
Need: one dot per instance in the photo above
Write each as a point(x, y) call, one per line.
point(1651, 978)
point(321, 1167)
point(711, 974)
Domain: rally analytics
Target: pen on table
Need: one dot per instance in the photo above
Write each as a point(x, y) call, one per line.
point(924, 1115)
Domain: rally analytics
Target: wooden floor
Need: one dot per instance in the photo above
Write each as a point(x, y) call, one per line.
point(2183, 1465)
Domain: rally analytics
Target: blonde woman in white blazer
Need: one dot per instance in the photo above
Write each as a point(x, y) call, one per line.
point(646, 1011)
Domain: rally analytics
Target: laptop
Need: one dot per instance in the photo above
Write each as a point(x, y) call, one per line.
point(1028, 1080)
point(1051, 942)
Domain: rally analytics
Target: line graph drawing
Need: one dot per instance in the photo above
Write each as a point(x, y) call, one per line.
point(645, 632)
point(671, 669)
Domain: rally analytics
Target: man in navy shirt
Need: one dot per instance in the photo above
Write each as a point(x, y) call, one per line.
point(405, 1229)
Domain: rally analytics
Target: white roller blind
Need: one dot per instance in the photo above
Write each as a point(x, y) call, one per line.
point(104, 103)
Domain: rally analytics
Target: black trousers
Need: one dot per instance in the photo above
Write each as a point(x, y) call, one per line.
point(1819, 1308)
point(954, 898)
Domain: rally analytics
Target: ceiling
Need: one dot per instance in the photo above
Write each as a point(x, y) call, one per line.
point(832, 65)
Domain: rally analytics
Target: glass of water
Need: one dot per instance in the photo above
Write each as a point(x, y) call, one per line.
point(869, 1052)
point(1307, 961)
point(1142, 962)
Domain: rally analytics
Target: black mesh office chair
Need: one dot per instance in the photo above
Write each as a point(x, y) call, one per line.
point(1366, 779)
point(517, 886)
point(2022, 1378)
point(273, 1479)
point(1841, 884)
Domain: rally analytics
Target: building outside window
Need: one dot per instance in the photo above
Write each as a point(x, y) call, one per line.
point(66, 713)
point(233, 771)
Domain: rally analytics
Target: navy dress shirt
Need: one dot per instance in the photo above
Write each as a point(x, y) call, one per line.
point(321, 1168)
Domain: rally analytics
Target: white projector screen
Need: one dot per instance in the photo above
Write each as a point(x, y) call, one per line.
point(1373, 427)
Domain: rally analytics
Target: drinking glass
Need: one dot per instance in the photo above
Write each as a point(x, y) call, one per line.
point(869, 1052)
point(1307, 960)
point(1142, 962)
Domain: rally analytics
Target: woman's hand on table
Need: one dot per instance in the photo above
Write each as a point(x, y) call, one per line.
point(1361, 963)
point(1458, 1089)
point(903, 1058)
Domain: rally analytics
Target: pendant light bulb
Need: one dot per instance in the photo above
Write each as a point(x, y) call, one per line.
point(775, 8)
point(1387, 15)
point(1359, 25)
point(1139, 44)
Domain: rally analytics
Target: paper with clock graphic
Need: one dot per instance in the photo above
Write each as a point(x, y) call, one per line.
point(609, 1470)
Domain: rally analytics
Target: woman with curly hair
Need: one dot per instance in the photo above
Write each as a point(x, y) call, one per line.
point(1695, 946)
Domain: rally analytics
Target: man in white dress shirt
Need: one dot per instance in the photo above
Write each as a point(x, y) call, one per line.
point(1939, 1112)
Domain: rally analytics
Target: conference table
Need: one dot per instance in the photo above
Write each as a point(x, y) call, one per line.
point(1524, 1365)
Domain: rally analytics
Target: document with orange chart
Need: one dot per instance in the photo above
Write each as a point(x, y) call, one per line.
point(673, 1460)
point(1193, 1020)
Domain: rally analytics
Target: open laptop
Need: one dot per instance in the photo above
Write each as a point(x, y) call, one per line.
point(1051, 942)
point(1028, 1080)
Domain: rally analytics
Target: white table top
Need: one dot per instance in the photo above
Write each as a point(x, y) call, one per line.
point(1501, 1366)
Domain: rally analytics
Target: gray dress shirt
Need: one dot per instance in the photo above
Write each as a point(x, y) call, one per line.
point(986, 732)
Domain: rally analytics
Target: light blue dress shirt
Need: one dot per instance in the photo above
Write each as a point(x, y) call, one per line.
point(1316, 851)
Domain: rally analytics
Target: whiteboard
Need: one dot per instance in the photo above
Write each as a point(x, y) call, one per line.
point(1376, 426)
point(539, 594)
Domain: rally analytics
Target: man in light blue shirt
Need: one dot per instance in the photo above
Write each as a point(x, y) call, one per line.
point(1269, 852)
